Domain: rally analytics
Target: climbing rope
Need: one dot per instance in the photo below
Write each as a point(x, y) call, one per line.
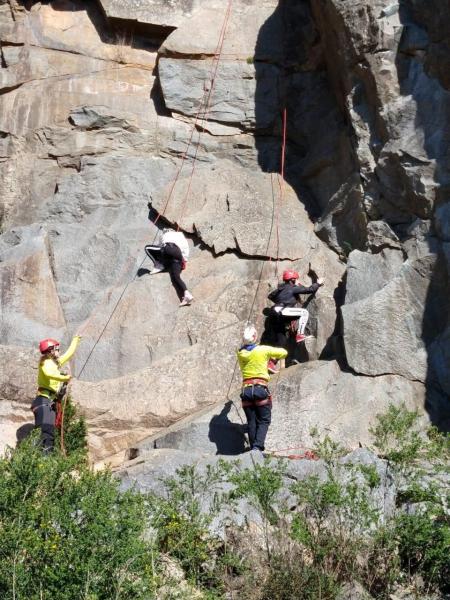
point(275, 218)
point(206, 98)
point(203, 106)
point(208, 102)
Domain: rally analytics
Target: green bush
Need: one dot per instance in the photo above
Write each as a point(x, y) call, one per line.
point(423, 541)
point(75, 430)
point(67, 532)
point(290, 578)
point(420, 461)
point(181, 522)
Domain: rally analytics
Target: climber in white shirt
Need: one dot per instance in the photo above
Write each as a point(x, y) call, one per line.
point(171, 254)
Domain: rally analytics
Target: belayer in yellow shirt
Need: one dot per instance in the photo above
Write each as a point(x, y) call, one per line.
point(50, 380)
point(255, 395)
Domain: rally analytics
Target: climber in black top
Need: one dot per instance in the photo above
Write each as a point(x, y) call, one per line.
point(285, 311)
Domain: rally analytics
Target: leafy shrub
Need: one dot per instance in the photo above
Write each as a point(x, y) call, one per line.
point(75, 430)
point(421, 464)
point(181, 522)
point(67, 532)
point(261, 485)
point(423, 541)
point(290, 577)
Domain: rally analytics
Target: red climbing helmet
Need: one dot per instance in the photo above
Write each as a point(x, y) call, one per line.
point(289, 274)
point(47, 344)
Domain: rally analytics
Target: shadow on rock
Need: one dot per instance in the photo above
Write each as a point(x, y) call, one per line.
point(319, 164)
point(429, 235)
point(23, 432)
point(228, 437)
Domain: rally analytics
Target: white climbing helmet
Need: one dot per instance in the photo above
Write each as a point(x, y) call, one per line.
point(250, 334)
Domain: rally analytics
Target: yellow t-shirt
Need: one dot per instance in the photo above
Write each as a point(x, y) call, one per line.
point(253, 363)
point(49, 377)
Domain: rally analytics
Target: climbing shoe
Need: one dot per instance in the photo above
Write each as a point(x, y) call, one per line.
point(187, 299)
point(299, 338)
point(272, 366)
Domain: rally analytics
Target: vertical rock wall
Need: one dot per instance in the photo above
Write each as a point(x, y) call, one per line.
point(103, 108)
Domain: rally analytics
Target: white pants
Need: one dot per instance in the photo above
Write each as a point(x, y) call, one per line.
point(301, 313)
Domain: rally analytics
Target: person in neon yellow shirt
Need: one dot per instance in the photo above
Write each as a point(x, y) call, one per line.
point(50, 379)
point(255, 395)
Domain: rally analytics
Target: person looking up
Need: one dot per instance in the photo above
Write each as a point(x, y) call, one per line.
point(255, 395)
point(50, 379)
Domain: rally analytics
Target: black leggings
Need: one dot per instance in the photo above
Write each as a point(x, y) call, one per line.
point(44, 418)
point(279, 325)
point(170, 257)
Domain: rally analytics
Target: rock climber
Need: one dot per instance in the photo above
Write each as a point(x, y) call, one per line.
point(171, 255)
point(50, 380)
point(286, 314)
point(255, 395)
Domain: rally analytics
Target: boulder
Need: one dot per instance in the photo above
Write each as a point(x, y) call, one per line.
point(253, 32)
point(154, 12)
point(353, 591)
point(387, 332)
point(30, 305)
point(150, 472)
point(18, 378)
point(229, 207)
point(368, 273)
point(243, 94)
point(99, 117)
point(380, 236)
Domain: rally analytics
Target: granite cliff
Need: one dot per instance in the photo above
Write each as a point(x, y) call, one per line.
point(102, 108)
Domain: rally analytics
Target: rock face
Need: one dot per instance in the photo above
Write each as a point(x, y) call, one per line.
point(159, 465)
point(115, 109)
point(315, 396)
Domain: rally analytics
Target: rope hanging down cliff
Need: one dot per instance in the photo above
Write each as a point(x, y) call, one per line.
point(204, 106)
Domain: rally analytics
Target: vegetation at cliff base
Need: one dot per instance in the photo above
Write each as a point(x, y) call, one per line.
point(224, 531)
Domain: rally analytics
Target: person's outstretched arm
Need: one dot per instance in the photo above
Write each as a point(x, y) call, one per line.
point(277, 353)
point(301, 289)
point(69, 352)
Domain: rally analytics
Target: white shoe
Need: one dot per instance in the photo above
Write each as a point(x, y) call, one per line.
point(187, 299)
point(155, 270)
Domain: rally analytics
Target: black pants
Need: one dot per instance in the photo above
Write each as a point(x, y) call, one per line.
point(258, 417)
point(154, 253)
point(170, 257)
point(44, 418)
point(279, 325)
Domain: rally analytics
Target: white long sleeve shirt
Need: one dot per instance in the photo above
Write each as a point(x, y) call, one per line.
point(177, 237)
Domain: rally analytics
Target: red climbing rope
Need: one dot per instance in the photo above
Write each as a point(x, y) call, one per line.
point(217, 58)
point(308, 454)
point(281, 182)
point(204, 102)
point(275, 210)
point(205, 98)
